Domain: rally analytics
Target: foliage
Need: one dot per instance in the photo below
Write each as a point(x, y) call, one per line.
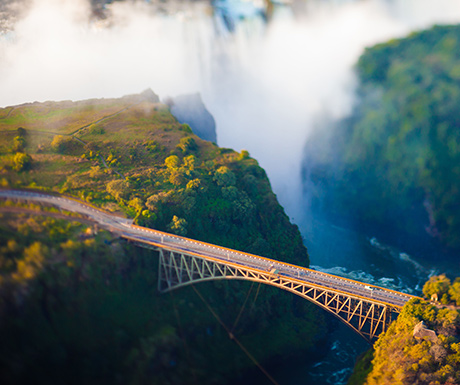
point(187, 144)
point(395, 162)
point(224, 177)
point(400, 358)
point(21, 161)
point(90, 312)
point(18, 144)
point(438, 285)
point(178, 226)
point(80, 307)
point(118, 188)
point(61, 143)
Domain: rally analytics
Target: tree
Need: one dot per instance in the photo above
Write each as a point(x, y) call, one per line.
point(224, 177)
point(244, 154)
point(178, 225)
point(172, 162)
point(190, 162)
point(177, 177)
point(18, 144)
point(194, 184)
point(437, 284)
point(61, 143)
point(32, 263)
point(454, 291)
point(187, 144)
point(22, 161)
point(118, 188)
point(137, 204)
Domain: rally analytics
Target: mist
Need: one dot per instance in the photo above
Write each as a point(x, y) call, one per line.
point(267, 85)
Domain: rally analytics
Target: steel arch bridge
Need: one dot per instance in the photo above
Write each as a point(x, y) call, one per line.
point(367, 309)
point(178, 268)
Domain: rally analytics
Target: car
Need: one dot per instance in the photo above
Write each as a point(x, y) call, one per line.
point(369, 288)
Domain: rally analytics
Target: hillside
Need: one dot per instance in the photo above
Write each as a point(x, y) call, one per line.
point(394, 163)
point(416, 353)
point(79, 306)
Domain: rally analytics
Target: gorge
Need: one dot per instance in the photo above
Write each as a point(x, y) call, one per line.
point(266, 96)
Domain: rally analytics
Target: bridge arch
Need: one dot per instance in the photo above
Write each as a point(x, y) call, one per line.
point(367, 318)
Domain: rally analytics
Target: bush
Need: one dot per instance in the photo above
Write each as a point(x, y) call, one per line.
point(22, 162)
point(187, 144)
point(118, 188)
point(172, 161)
point(224, 177)
point(18, 144)
point(61, 144)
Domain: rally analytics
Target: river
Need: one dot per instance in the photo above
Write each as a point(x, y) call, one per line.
point(268, 84)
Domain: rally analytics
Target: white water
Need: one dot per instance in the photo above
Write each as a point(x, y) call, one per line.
point(265, 85)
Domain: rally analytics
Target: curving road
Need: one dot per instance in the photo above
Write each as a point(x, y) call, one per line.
point(127, 230)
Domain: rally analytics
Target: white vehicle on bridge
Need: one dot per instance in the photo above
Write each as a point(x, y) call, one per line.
point(369, 288)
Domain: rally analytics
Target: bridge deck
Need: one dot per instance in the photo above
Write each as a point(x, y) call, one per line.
point(212, 252)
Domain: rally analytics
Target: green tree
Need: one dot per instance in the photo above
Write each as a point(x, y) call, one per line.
point(118, 188)
point(437, 284)
point(137, 204)
point(177, 177)
point(224, 177)
point(32, 262)
point(187, 144)
point(190, 162)
point(244, 154)
point(172, 162)
point(61, 143)
point(178, 225)
point(22, 161)
point(454, 292)
point(18, 144)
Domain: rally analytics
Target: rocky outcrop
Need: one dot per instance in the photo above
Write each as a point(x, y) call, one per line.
point(422, 332)
point(191, 110)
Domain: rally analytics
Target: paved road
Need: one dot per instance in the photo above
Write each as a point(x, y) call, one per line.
point(127, 230)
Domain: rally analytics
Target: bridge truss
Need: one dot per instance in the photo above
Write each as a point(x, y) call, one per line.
point(366, 317)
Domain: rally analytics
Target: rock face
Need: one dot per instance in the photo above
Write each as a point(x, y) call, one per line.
point(191, 110)
point(422, 332)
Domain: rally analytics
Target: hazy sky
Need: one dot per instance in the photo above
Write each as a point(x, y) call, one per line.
point(265, 86)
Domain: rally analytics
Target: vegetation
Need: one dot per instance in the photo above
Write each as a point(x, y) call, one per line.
point(79, 306)
point(399, 357)
point(395, 162)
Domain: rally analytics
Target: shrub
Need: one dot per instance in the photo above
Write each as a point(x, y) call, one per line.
point(60, 143)
point(187, 144)
point(178, 225)
point(18, 144)
point(118, 188)
point(172, 161)
point(224, 177)
point(22, 161)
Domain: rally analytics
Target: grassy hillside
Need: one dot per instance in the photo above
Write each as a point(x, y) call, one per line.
point(83, 307)
point(130, 154)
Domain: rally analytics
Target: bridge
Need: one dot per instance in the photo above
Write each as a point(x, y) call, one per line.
point(367, 309)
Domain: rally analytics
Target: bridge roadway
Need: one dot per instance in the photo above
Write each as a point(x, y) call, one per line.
point(131, 232)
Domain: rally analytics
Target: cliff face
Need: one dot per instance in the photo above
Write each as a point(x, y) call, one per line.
point(392, 165)
point(80, 307)
point(191, 110)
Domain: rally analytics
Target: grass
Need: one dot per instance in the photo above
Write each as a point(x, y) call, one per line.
point(59, 117)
